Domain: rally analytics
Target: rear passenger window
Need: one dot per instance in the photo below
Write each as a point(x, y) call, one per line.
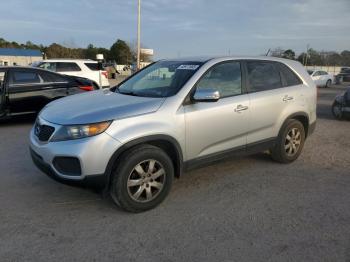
point(22, 77)
point(51, 77)
point(290, 78)
point(225, 77)
point(67, 67)
point(263, 76)
point(92, 66)
point(48, 66)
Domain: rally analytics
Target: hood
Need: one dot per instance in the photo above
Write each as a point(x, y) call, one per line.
point(98, 106)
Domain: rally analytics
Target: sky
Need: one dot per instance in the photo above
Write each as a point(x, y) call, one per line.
point(178, 28)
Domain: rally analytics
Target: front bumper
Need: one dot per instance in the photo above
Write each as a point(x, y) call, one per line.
point(96, 181)
point(93, 154)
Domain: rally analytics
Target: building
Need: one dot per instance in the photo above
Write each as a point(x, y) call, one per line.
point(16, 56)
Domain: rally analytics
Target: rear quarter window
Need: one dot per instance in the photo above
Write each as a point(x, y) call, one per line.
point(289, 77)
point(92, 66)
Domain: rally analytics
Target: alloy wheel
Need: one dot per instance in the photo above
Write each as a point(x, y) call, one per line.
point(292, 142)
point(146, 181)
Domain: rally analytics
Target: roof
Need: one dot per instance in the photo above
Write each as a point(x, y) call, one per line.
point(19, 52)
point(223, 58)
point(69, 60)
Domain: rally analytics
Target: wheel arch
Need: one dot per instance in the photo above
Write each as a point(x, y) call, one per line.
point(165, 142)
point(300, 116)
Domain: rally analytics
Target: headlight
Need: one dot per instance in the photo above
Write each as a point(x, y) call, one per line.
point(80, 131)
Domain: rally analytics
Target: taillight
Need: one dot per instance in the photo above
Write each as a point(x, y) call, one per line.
point(87, 88)
point(104, 73)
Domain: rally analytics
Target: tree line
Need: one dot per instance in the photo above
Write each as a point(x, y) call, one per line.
point(313, 57)
point(120, 52)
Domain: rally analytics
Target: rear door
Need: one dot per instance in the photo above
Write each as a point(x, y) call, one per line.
point(29, 90)
point(272, 87)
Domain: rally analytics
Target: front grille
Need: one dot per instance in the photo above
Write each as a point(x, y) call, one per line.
point(43, 132)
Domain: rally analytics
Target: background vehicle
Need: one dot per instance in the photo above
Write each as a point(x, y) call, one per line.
point(321, 78)
point(27, 90)
point(174, 115)
point(77, 67)
point(341, 105)
point(344, 75)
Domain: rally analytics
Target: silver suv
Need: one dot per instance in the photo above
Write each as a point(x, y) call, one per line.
point(173, 115)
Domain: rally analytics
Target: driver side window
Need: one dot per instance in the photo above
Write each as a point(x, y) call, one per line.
point(225, 77)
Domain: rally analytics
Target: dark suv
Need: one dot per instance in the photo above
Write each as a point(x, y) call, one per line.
point(344, 75)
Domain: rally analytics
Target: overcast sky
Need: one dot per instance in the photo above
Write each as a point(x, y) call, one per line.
point(182, 27)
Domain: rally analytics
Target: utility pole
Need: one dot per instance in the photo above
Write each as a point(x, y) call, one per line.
point(307, 54)
point(139, 35)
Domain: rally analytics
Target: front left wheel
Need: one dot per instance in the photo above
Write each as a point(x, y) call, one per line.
point(142, 179)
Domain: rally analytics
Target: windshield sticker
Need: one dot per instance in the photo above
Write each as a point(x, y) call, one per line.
point(187, 67)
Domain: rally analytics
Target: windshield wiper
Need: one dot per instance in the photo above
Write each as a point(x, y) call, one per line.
point(129, 93)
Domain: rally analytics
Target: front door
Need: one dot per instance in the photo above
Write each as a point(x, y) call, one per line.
point(213, 127)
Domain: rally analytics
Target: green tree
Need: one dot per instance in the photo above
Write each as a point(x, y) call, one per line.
point(345, 57)
point(121, 53)
point(289, 54)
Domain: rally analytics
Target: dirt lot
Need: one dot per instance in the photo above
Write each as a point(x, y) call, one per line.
point(246, 209)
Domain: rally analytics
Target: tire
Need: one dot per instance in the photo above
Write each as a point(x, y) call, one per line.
point(337, 110)
point(328, 83)
point(135, 185)
point(288, 147)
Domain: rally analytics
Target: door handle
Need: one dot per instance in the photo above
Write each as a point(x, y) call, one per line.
point(240, 108)
point(288, 98)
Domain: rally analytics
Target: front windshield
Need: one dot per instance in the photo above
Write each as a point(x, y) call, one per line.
point(161, 79)
point(310, 72)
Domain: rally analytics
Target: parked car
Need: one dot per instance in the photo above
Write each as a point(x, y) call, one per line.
point(78, 67)
point(344, 75)
point(172, 116)
point(26, 90)
point(321, 78)
point(341, 105)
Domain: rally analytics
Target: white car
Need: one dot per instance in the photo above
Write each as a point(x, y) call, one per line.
point(321, 78)
point(77, 67)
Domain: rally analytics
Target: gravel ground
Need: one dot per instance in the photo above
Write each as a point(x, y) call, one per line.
point(245, 209)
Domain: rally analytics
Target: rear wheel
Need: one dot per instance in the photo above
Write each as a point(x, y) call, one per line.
point(143, 178)
point(290, 142)
point(337, 110)
point(328, 83)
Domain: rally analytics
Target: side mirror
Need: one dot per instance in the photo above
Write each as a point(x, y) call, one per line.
point(206, 95)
